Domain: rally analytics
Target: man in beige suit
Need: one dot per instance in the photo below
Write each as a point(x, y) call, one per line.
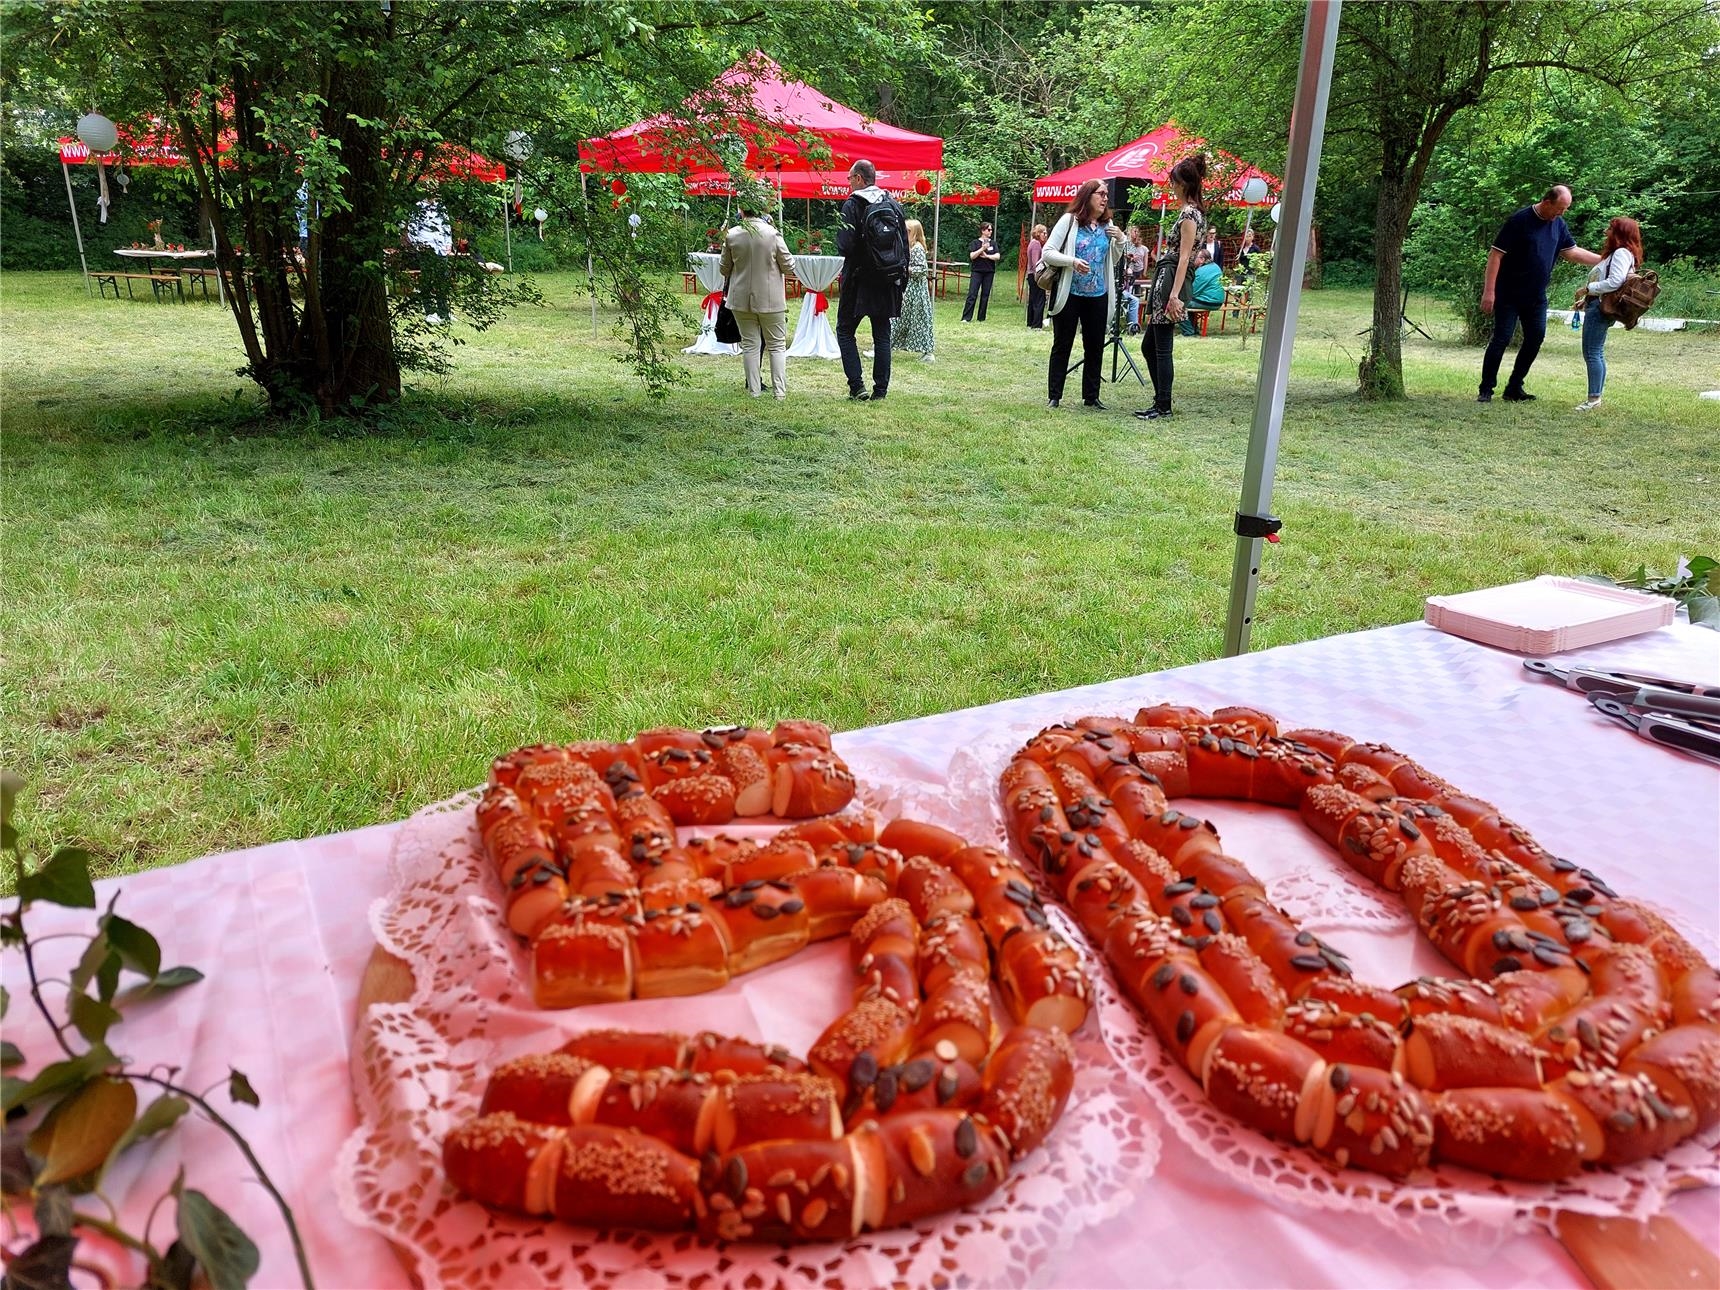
point(755, 261)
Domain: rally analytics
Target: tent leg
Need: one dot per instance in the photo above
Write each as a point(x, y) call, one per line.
point(590, 274)
point(220, 278)
point(1307, 133)
point(507, 232)
point(937, 214)
point(77, 230)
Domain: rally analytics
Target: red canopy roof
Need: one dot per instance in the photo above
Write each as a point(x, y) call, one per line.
point(832, 185)
point(1149, 160)
point(769, 113)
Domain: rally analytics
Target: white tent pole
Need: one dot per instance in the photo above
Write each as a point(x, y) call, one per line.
point(1307, 133)
point(220, 281)
point(937, 215)
point(77, 230)
point(507, 231)
point(590, 275)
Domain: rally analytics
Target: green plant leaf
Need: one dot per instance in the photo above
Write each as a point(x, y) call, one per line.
point(90, 961)
point(54, 1211)
point(8, 837)
point(63, 880)
point(92, 1017)
point(1597, 577)
point(228, 1257)
point(46, 1265)
point(10, 1055)
point(17, 1170)
point(5, 1001)
point(107, 977)
point(175, 1271)
point(57, 1076)
point(10, 783)
point(137, 948)
point(158, 1117)
point(240, 1090)
point(1704, 610)
point(82, 1130)
point(173, 978)
point(12, 1089)
point(1702, 565)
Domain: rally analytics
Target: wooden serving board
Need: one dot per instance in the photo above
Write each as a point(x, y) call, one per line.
point(1614, 1253)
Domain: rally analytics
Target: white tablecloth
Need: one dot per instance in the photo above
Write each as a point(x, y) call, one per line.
point(707, 268)
point(151, 253)
point(813, 335)
point(281, 932)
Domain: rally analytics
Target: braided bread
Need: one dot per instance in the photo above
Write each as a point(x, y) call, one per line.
point(1583, 1028)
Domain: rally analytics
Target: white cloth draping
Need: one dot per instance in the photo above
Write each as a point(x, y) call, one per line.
point(708, 269)
point(281, 932)
point(813, 335)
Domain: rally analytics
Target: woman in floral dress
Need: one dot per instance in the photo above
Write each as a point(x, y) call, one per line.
point(913, 330)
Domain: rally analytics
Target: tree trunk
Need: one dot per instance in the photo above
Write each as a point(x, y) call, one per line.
point(362, 367)
point(1381, 373)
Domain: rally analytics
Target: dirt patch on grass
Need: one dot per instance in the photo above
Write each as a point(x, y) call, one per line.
point(72, 720)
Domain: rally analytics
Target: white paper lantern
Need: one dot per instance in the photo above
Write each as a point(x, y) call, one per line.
point(540, 214)
point(1276, 206)
point(97, 132)
point(1254, 190)
point(518, 145)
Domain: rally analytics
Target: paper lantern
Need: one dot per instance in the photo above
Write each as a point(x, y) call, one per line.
point(97, 132)
point(540, 214)
point(618, 187)
point(518, 146)
point(1254, 190)
point(922, 185)
point(1275, 209)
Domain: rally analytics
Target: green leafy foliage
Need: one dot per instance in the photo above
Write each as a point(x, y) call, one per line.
point(227, 1256)
point(1695, 584)
point(80, 1131)
point(63, 880)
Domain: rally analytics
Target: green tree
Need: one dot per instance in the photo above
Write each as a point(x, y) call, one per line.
point(348, 110)
point(1405, 72)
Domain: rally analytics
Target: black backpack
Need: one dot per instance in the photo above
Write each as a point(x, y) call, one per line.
point(884, 237)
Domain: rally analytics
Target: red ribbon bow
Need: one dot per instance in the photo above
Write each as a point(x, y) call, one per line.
point(820, 304)
point(709, 303)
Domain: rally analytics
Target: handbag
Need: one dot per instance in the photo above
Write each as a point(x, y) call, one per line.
point(726, 329)
point(1633, 299)
point(1046, 275)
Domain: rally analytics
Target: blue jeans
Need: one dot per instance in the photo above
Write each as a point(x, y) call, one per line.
point(1595, 328)
point(1506, 315)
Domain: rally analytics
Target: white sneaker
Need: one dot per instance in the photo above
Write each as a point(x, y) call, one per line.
point(866, 354)
point(435, 320)
point(1588, 405)
point(928, 358)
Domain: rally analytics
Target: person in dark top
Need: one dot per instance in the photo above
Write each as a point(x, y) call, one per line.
point(864, 293)
point(983, 256)
point(1515, 289)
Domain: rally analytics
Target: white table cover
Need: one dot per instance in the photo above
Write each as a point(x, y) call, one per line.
point(282, 933)
point(153, 253)
point(813, 335)
point(707, 268)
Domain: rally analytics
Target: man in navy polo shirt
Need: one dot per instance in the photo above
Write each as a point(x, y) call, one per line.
point(1515, 291)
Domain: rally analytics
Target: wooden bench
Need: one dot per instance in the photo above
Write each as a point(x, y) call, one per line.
point(199, 278)
point(158, 282)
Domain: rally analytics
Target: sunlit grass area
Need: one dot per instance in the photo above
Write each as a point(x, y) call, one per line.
point(222, 629)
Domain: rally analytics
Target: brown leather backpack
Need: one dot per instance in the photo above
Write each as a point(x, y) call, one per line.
point(1633, 299)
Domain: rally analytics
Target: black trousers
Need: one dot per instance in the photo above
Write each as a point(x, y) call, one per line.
point(1035, 304)
point(847, 322)
point(979, 288)
point(1157, 342)
point(1088, 313)
point(1506, 315)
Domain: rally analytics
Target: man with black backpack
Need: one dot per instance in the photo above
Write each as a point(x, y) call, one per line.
point(873, 240)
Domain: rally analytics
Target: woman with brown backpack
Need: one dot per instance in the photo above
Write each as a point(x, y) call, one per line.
point(1620, 257)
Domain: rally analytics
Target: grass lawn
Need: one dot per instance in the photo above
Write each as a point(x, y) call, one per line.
point(222, 631)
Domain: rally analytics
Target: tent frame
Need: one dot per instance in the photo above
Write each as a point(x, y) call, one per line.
point(1254, 521)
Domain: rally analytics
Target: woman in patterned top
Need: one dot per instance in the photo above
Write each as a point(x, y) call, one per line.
point(1173, 280)
point(913, 330)
point(1085, 248)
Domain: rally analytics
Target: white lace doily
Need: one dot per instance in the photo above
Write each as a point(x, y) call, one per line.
point(1450, 1204)
point(419, 1067)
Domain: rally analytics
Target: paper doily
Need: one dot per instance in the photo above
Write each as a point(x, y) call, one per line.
point(1446, 1204)
point(419, 1067)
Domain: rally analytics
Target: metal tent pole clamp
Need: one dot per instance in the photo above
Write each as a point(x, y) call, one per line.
point(1307, 132)
point(77, 229)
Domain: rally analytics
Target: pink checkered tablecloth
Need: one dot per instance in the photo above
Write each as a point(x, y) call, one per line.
point(282, 933)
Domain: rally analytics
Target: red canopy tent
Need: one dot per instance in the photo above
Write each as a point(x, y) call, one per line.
point(1149, 159)
point(775, 117)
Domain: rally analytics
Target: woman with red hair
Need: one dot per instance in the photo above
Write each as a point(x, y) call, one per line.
point(1621, 254)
